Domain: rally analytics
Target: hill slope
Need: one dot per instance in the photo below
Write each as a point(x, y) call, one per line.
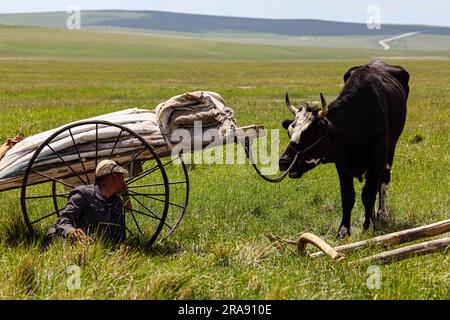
point(27, 42)
point(300, 32)
point(194, 23)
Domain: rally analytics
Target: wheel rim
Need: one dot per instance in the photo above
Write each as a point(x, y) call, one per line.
point(177, 173)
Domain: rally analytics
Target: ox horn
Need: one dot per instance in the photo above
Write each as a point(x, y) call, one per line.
point(290, 106)
point(324, 111)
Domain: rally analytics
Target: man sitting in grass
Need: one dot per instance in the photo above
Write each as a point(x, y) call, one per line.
point(94, 209)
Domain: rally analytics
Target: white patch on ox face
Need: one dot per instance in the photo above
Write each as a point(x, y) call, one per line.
point(315, 161)
point(302, 122)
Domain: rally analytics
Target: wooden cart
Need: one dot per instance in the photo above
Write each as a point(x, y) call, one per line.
point(157, 191)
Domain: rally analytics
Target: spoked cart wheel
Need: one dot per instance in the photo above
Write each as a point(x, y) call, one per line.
point(148, 205)
point(178, 176)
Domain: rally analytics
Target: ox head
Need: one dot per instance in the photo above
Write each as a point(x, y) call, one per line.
point(306, 132)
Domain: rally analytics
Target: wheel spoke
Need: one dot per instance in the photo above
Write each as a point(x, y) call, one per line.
point(47, 216)
point(141, 175)
point(150, 216)
point(153, 215)
point(154, 185)
point(135, 221)
point(168, 225)
point(115, 144)
point(160, 200)
point(135, 157)
point(143, 194)
point(65, 162)
point(79, 156)
point(96, 144)
point(53, 179)
point(147, 172)
point(129, 231)
point(63, 195)
point(145, 214)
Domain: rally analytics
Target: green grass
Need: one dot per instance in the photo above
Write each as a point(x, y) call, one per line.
point(213, 254)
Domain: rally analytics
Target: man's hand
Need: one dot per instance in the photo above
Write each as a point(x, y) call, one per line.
point(77, 235)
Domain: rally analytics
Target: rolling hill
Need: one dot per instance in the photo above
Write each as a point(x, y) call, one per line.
point(194, 23)
point(294, 32)
point(44, 43)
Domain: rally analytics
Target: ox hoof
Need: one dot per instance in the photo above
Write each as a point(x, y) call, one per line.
point(343, 233)
point(382, 217)
point(366, 225)
point(369, 222)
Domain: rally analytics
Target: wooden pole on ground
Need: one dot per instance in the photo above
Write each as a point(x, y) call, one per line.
point(405, 252)
point(302, 242)
point(306, 238)
point(399, 237)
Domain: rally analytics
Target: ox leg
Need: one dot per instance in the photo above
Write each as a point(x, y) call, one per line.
point(348, 201)
point(369, 192)
point(382, 213)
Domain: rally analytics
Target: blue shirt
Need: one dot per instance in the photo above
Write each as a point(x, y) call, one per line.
point(89, 210)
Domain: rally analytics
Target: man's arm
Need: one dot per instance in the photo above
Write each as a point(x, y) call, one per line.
point(72, 217)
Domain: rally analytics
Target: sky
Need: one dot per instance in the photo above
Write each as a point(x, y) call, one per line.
point(431, 12)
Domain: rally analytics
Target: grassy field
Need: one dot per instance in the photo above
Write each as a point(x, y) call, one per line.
point(214, 253)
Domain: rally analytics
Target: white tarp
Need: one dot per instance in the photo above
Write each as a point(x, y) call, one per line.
point(139, 120)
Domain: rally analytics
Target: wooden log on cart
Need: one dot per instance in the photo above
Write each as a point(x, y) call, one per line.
point(399, 237)
point(408, 251)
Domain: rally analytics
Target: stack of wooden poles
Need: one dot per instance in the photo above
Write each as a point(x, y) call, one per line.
point(400, 237)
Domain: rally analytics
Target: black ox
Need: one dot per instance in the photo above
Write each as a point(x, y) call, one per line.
point(358, 132)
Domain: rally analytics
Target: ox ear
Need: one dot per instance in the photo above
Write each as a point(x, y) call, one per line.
point(286, 123)
point(323, 125)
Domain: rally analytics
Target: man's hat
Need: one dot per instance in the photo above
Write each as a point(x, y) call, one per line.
point(106, 167)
